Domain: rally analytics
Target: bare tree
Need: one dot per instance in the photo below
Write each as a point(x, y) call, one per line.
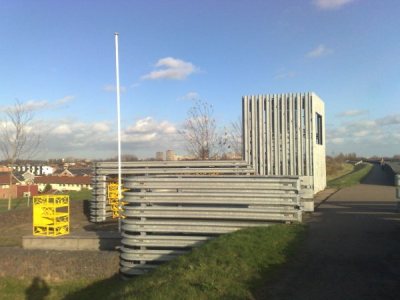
point(200, 132)
point(233, 136)
point(17, 137)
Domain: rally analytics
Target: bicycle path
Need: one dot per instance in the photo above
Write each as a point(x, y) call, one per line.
point(352, 250)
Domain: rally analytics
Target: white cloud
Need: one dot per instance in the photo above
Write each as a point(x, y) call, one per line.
point(331, 4)
point(171, 68)
point(150, 126)
point(36, 105)
point(113, 88)
point(62, 129)
point(319, 51)
point(33, 105)
point(64, 100)
point(389, 120)
point(190, 96)
point(353, 113)
point(101, 127)
point(366, 137)
point(336, 140)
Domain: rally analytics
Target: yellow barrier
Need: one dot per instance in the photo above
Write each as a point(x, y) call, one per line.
point(50, 215)
point(112, 192)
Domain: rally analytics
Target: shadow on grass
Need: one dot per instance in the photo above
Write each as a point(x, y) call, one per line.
point(38, 290)
point(103, 289)
point(272, 273)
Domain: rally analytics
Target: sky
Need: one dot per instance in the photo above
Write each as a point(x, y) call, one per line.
point(58, 58)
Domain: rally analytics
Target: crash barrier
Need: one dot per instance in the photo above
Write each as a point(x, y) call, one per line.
point(166, 216)
point(100, 209)
point(394, 168)
point(397, 184)
point(106, 172)
point(50, 215)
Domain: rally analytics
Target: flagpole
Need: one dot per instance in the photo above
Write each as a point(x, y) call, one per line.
point(119, 129)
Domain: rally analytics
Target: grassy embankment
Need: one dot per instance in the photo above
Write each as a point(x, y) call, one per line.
point(358, 173)
point(338, 170)
point(229, 267)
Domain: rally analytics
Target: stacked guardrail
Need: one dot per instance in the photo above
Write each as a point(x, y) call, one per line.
point(395, 169)
point(104, 172)
point(166, 216)
point(100, 210)
point(397, 184)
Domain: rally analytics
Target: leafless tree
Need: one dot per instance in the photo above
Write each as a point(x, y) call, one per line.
point(200, 132)
point(233, 136)
point(17, 137)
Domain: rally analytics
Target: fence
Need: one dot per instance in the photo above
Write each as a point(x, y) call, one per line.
point(168, 215)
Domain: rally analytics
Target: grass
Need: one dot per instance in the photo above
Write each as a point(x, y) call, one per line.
point(341, 170)
point(21, 203)
point(230, 267)
point(37, 288)
point(18, 203)
point(80, 195)
point(355, 177)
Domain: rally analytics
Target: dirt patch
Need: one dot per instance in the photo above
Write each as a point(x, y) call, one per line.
point(53, 266)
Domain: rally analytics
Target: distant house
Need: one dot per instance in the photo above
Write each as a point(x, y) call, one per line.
point(38, 170)
point(17, 189)
point(64, 173)
point(74, 172)
point(4, 169)
point(64, 183)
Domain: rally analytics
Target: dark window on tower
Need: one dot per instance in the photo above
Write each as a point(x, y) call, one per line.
point(318, 127)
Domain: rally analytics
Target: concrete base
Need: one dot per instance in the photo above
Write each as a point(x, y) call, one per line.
point(86, 241)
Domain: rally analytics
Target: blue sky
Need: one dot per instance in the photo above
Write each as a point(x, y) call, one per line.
point(58, 57)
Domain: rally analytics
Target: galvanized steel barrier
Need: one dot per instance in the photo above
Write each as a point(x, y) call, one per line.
point(397, 184)
point(100, 210)
point(395, 169)
point(168, 215)
point(104, 172)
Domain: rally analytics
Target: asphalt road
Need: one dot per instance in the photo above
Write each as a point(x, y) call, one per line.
point(352, 250)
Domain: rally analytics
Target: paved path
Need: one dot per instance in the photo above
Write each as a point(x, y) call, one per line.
point(352, 251)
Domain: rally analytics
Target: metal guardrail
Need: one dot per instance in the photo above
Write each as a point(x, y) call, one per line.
point(175, 170)
point(100, 210)
point(166, 216)
point(395, 166)
point(174, 164)
point(397, 184)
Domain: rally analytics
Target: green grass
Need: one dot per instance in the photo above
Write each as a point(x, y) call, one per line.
point(355, 177)
point(36, 288)
point(344, 169)
point(18, 203)
point(229, 267)
point(80, 195)
point(21, 203)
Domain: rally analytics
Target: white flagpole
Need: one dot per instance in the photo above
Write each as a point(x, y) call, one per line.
point(119, 128)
